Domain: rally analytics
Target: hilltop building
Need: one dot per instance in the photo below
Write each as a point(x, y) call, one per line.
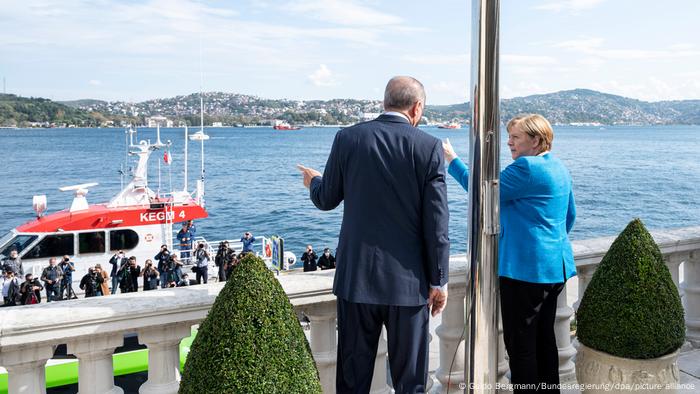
point(155, 121)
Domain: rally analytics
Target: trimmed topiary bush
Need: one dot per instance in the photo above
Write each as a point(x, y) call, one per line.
point(251, 340)
point(631, 308)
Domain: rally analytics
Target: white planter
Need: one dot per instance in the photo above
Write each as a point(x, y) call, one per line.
point(599, 372)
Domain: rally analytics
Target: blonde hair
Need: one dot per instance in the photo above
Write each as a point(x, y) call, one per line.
point(534, 125)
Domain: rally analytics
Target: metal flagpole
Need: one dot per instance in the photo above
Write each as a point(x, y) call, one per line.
point(483, 303)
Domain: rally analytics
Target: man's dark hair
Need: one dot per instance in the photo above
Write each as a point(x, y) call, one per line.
point(403, 92)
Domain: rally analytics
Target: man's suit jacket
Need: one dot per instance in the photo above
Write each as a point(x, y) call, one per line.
point(537, 213)
point(394, 240)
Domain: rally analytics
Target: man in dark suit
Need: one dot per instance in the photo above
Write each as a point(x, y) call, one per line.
point(393, 251)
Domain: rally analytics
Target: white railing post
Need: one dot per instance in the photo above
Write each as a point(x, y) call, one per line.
point(379, 380)
point(584, 274)
point(323, 343)
point(450, 373)
point(673, 262)
point(96, 370)
point(25, 368)
point(691, 299)
point(429, 383)
point(562, 330)
point(503, 366)
point(163, 357)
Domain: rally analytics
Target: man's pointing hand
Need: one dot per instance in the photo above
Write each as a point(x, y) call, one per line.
point(309, 174)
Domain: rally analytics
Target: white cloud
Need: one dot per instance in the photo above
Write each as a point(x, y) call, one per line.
point(95, 82)
point(528, 60)
point(573, 6)
point(522, 88)
point(581, 44)
point(450, 91)
point(591, 62)
point(323, 77)
point(438, 59)
point(346, 12)
point(682, 46)
point(593, 46)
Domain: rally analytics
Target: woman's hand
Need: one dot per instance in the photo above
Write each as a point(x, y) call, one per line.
point(449, 151)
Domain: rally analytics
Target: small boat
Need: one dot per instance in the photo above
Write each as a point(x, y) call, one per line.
point(286, 127)
point(282, 125)
point(449, 126)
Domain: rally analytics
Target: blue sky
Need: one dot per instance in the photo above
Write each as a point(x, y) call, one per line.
point(322, 49)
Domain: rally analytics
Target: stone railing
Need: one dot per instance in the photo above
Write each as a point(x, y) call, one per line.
point(93, 328)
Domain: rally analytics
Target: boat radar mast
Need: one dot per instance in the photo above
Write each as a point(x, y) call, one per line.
point(201, 137)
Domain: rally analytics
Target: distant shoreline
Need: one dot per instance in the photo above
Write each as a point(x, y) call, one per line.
point(577, 125)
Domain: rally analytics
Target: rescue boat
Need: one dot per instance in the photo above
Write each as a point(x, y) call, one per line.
point(137, 220)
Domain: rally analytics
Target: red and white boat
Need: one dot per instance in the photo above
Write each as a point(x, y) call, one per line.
point(449, 126)
point(280, 125)
point(137, 220)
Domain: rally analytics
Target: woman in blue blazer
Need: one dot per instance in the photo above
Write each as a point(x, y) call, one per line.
point(535, 256)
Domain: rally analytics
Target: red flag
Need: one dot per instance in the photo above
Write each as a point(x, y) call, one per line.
point(167, 158)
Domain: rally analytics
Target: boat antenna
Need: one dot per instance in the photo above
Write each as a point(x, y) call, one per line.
point(159, 144)
point(186, 140)
point(201, 87)
point(170, 175)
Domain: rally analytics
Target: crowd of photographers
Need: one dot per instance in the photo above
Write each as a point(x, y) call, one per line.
point(164, 271)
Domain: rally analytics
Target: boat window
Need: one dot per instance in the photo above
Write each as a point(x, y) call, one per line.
point(123, 239)
point(18, 243)
point(52, 246)
point(91, 242)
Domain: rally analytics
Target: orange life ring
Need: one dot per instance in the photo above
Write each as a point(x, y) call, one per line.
point(268, 250)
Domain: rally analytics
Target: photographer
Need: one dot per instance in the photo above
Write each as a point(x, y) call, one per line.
point(309, 259)
point(67, 267)
point(30, 291)
point(129, 276)
point(222, 258)
point(326, 261)
point(92, 283)
point(231, 263)
point(10, 289)
point(201, 268)
point(105, 279)
point(248, 239)
point(51, 276)
point(150, 276)
point(13, 263)
point(174, 271)
point(117, 261)
point(184, 281)
point(163, 257)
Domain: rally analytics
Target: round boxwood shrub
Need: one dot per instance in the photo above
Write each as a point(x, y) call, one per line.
point(251, 340)
point(631, 308)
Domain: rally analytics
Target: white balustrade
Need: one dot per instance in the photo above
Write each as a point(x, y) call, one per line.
point(584, 274)
point(163, 357)
point(95, 369)
point(323, 343)
point(25, 368)
point(562, 330)
point(430, 383)
point(93, 327)
point(673, 262)
point(450, 372)
point(503, 366)
point(691, 299)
